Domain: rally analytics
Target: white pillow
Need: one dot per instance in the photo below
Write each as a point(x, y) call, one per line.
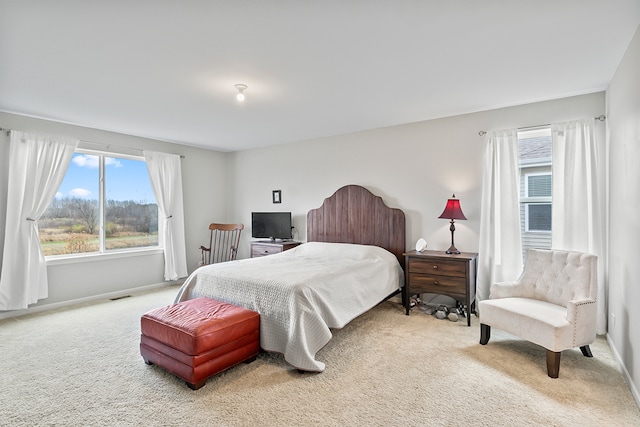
point(343, 251)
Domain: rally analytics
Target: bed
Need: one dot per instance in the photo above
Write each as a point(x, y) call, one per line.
point(351, 262)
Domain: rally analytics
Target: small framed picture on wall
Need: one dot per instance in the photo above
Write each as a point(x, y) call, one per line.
point(277, 196)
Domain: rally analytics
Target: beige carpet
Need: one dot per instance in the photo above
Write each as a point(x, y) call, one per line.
point(81, 366)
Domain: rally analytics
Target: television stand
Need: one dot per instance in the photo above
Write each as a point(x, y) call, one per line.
point(268, 247)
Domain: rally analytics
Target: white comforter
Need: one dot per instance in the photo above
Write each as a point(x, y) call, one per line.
point(301, 293)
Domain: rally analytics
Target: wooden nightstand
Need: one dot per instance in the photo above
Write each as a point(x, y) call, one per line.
point(437, 272)
point(263, 248)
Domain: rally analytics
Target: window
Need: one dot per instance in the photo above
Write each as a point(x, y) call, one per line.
point(534, 147)
point(537, 202)
point(104, 204)
point(538, 217)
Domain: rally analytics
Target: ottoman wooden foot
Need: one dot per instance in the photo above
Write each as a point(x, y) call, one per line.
point(196, 385)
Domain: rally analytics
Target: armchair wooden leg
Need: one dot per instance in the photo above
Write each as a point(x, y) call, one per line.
point(586, 351)
point(485, 333)
point(553, 363)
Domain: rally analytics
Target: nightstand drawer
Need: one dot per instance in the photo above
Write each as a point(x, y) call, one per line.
point(259, 249)
point(431, 283)
point(438, 266)
point(262, 250)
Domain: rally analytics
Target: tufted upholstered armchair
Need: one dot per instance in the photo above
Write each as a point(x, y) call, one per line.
point(552, 304)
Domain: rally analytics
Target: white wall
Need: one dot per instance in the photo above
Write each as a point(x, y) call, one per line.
point(623, 116)
point(415, 167)
point(205, 175)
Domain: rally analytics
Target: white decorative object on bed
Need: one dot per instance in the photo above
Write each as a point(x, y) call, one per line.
point(353, 261)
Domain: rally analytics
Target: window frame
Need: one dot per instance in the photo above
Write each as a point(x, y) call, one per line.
point(527, 201)
point(535, 157)
point(103, 253)
point(528, 228)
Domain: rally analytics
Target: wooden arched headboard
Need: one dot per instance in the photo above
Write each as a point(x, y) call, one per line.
point(354, 215)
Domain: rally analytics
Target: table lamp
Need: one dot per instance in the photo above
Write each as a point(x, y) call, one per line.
point(452, 211)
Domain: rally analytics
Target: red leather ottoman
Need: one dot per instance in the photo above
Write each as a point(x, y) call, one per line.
point(198, 338)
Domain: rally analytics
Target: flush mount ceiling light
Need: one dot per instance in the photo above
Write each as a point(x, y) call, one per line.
point(241, 88)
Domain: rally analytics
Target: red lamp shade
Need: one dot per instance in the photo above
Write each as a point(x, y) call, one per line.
point(452, 210)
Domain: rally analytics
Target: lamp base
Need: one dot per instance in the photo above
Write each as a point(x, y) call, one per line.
point(452, 250)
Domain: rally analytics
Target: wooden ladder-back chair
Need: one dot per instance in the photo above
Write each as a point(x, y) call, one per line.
point(223, 243)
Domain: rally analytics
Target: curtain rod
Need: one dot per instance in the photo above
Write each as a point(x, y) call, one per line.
point(601, 118)
point(107, 146)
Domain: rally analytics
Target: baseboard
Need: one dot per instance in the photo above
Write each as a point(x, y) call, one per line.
point(92, 298)
point(625, 373)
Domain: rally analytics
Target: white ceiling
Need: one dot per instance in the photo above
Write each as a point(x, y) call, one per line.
point(167, 69)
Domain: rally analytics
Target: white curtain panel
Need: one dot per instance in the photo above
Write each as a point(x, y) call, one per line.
point(37, 166)
point(165, 173)
point(578, 200)
point(500, 246)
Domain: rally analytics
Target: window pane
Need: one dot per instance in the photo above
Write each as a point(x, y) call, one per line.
point(535, 152)
point(534, 146)
point(539, 216)
point(70, 224)
point(539, 186)
point(73, 224)
point(131, 212)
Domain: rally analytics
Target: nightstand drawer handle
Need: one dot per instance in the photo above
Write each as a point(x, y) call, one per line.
point(435, 282)
point(435, 267)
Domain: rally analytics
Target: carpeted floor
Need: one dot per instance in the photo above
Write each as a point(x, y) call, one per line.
point(81, 366)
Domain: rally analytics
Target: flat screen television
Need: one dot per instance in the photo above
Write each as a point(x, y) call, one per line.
point(271, 225)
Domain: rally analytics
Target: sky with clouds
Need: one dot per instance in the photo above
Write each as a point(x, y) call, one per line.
point(125, 179)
